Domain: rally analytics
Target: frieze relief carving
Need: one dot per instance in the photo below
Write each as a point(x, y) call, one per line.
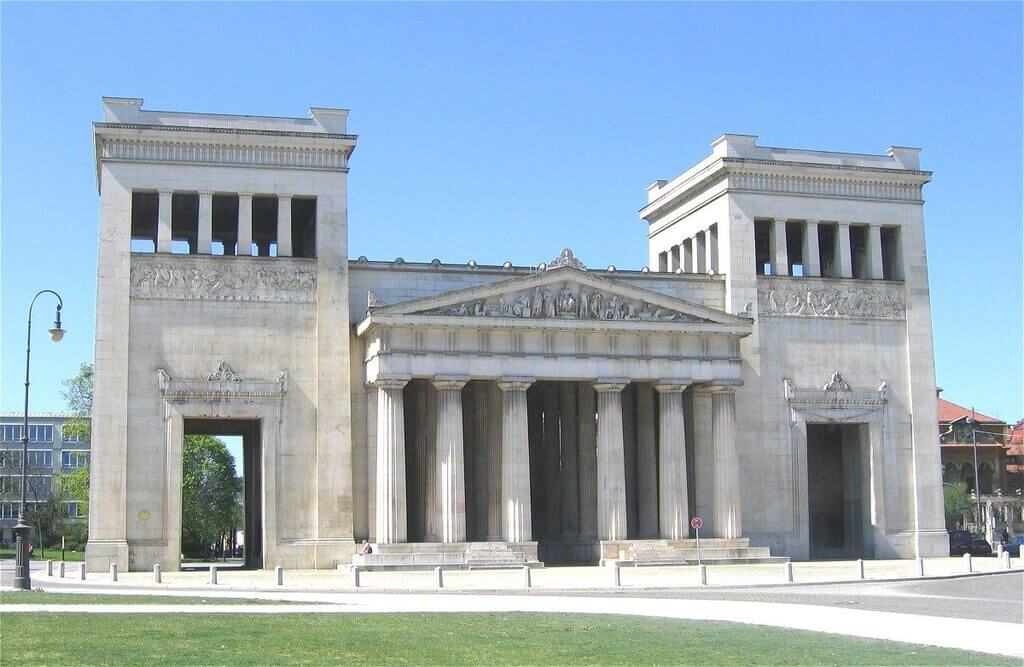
point(803, 297)
point(198, 278)
point(567, 301)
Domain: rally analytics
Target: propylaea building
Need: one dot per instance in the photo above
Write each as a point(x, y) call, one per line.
point(771, 372)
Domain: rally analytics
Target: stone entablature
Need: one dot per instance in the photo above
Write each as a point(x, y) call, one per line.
point(218, 278)
point(199, 152)
point(785, 296)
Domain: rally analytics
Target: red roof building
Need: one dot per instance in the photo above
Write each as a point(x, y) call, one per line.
point(1000, 449)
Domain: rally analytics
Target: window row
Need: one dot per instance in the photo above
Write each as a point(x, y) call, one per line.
point(832, 250)
point(36, 432)
point(223, 224)
point(37, 458)
point(10, 510)
point(38, 485)
point(74, 460)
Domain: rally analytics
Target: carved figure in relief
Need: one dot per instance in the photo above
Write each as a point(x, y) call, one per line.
point(566, 302)
point(537, 305)
point(595, 306)
point(584, 305)
point(460, 310)
point(480, 308)
point(549, 304)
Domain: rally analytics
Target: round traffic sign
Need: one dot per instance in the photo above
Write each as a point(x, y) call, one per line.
point(696, 523)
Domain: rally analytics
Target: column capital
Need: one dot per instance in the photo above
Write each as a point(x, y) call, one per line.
point(395, 382)
point(247, 195)
point(812, 221)
point(515, 383)
point(282, 197)
point(725, 387)
point(205, 193)
point(610, 385)
point(667, 386)
point(450, 381)
point(842, 224)
point(781, 219)
point(165, 192)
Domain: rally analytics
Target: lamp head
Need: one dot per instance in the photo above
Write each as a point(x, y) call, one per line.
point(57, 332)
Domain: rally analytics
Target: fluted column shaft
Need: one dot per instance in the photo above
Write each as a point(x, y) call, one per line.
point(204, 239)
point(244, 224)
point(780, 249)
point(390, 517)
point(727, 521)
point(163, 224)
point(515, 462)
point(674, 509)
point(843, 257)
point(611, 475)
point(812, 254)
point(284, 225)
point(450, 461)
point(875, 269)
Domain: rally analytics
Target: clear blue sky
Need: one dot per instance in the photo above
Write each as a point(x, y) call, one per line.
point(505, 131)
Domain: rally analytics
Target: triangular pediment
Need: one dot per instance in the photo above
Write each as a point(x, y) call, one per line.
point(564, 293)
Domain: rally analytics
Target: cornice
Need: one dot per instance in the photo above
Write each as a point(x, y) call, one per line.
point(180, 151)
point(224, 130)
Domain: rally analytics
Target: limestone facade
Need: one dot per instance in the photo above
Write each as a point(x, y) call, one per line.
point(453, 414)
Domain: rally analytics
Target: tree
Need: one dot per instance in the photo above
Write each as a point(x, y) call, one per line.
point(77, 485)
point(210, 493)
point(77, 392)
point(958, 503)
point(49, 515)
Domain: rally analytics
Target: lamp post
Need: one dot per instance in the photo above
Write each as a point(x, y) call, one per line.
point(22, 531)
point(977, 473)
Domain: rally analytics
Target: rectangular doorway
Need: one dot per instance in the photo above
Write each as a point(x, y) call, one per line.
point(837, 491)
point(214, 483)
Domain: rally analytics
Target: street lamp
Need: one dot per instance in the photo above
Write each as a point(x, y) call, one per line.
point(22, 531)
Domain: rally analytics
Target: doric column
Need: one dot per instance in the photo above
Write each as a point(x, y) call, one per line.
point(450, 462)
point(611, 475)
point(204, 242)
point(874, 254)
point(780, 249)
point(675, 258)
point(390, 517)
point(727, 520)
point(586, 434)
point(284, 225)
point(515, 461)
point(646, 461)
point(674, 509)
point(569, 462)
point(163, 225)
point(843, 258)
point(812, 256)
point(700, 253)
point(688, 256)
point(245, 223)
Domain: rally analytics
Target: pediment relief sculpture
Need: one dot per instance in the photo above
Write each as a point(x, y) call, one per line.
point(566, 301)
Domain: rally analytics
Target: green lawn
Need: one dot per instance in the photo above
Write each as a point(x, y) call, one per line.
point(43, 597)
point(293, 639)
point(7, 553)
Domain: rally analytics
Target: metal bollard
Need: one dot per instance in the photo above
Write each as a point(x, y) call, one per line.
point(213, 574)
point(156, 573)
point(81, 571)
point(438, 577)
point(355, 576)
point(968, 563)
point(49, 568)
point(527, 577)
point(60, 569)
point(702, 574)
point(279, 575)
point(789, 571)
point(920, 567)
point(860, 569)
point(1005, 557)
point(113, 571)
point(616, 575)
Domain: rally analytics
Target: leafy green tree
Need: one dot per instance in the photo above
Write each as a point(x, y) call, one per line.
point(49, 515)
point(958, 503)
point(77, 392)
point(77, 485)
point(210, 493)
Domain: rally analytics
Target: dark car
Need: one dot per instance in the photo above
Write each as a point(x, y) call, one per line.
point(980, 547)
point(960, 542)
point(1013, 546)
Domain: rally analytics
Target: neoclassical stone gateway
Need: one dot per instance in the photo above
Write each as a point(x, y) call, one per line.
point(772, 372)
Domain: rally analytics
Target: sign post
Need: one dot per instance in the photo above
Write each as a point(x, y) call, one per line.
point(695, 523)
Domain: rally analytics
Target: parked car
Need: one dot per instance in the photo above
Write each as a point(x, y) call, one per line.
point(960, 542)
point(980, 547)
point(1013, 546)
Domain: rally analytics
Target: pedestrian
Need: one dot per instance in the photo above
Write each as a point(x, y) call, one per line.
point(367, 549)
point(1005, 537)
point(31, 549)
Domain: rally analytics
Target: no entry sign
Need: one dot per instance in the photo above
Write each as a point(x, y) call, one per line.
point(696, 523)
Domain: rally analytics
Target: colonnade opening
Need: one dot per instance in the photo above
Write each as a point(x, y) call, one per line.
point(221, 493)
point(837, 491)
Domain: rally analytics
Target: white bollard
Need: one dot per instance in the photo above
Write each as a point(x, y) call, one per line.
point(113, 571)
point(968, 563)
point(789, 571)
point(999, 550)
point(355, 576)
point(1005, 557)
point(438, 577)
point(616, 575)
point(860, 569)
point(527, 577)
point(156, 573)
point(213, 574)
point(920, 567)
point(49, 568)
point(279, 575)
point(81, 571)
point(60, 569)
point(702, 574)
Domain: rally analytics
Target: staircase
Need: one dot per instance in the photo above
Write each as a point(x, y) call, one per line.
point(684, 552)
point(493, 555)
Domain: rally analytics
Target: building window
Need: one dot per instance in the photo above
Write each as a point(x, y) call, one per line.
point(10, 458)
point(40, 458)
point(74, 460)
point(10, 433)
point(8, 510)
point(71, 508)
point(10, 484)
point(36, 432)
